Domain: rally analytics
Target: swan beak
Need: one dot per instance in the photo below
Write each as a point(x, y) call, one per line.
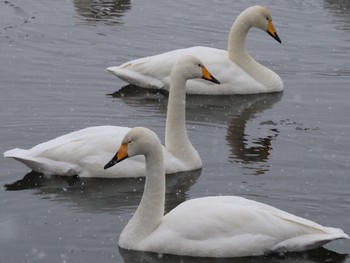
point(208, 76)
point(272, 31)
point(120, 156)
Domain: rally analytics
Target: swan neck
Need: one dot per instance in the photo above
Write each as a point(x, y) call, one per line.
point(176, 138)
point(151, 208)
point(236, 41)
point(238, 53)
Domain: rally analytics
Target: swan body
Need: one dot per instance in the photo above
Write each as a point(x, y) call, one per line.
point(85, 152)
point(238, 72)
point(76, 153)
point(218, 226)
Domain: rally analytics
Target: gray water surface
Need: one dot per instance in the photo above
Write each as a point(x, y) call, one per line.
point(290, 150)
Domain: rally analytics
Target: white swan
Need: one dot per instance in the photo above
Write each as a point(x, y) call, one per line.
point(85, 152)
point(238, 72)
point(218, 226)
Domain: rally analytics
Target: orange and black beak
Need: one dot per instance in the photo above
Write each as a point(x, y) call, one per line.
point(272, 31)
point(121, 154)
point(208, 76)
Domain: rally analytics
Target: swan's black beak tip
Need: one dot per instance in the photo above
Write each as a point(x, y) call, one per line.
point(111, 163)
point(275, 36)
point(215, 80)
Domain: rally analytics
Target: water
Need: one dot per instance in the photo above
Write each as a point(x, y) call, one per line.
point(290, 150)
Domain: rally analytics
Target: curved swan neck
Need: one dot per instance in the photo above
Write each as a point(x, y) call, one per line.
point(151, 208)
point(238, 53)
point(236, 40)
point(176, 138)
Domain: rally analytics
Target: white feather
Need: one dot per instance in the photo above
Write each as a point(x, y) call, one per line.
point(219, 226)
point(236, 70)
point(85, 152)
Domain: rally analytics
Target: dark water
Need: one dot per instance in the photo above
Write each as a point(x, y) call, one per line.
point(290, 150)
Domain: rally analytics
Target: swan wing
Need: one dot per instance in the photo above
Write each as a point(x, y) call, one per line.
point(232, 227)
point(154, 72)
point(83, 152)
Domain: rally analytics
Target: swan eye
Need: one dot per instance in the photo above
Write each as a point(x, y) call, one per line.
point(267, 19)
point(199, 65)
point(130, 142)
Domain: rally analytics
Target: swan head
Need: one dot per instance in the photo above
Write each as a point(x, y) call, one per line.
point(138, 141)
point(260, 17)
point(191, 67)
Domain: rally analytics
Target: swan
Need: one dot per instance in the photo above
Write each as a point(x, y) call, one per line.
point(84, 152)
point(216, 226)
point(238, 72)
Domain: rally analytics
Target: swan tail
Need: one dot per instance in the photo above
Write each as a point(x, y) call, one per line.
point(309, 241)
point(14, 153)
point(42, 165)
point(136, 78)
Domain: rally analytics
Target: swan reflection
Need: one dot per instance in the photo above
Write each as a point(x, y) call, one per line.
point(320, 255)
point(100, 194)
point(252, 151)
point(338, 7)
point(108, 11)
